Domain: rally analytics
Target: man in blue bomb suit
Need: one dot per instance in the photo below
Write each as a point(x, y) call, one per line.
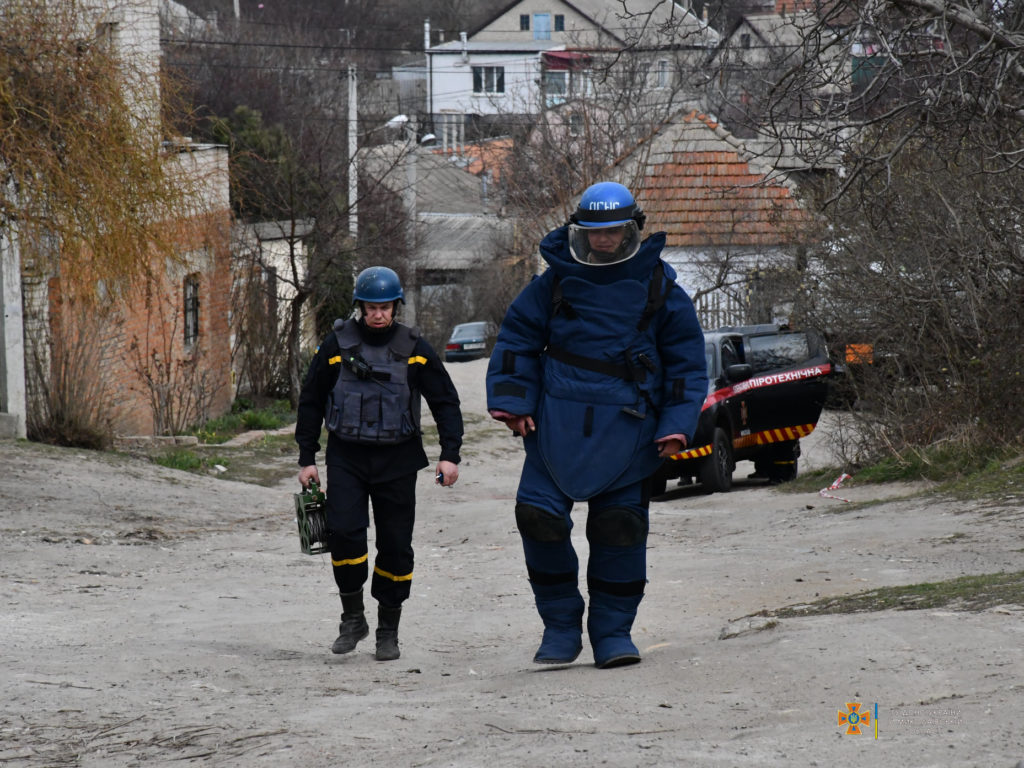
point(599, 365)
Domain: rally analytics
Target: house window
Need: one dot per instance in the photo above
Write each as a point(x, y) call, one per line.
point(542, 26)
point(663, 76)
point(191, 294)
point(524, 22)
point(106, 36)
point(575, 124)
point(556, 87)
point(488, 79)
point(744, 41)
point(581, 84)
point(559, 23)
point(272, 306)
point(642, 71)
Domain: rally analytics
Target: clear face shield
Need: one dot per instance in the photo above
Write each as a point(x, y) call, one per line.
point(604, 246)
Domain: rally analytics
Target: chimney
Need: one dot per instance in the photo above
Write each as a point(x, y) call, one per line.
point(465, 47)
point(426, 34)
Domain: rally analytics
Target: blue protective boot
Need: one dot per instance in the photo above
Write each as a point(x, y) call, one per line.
point(608, 624)
point(561, 608)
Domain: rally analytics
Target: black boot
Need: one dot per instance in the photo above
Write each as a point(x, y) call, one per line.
point(353, 627)
point(387, 632)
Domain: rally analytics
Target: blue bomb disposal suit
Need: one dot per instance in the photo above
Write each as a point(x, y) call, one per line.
point(605, 353)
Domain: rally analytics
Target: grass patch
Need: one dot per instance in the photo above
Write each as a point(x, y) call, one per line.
point(999, 475)
point(245, 416)
point(179, 458)
point(966, 593)
point(943, 462)
point(266, 461)
point(1001, 479)
point(813, 480)
point(188, 460)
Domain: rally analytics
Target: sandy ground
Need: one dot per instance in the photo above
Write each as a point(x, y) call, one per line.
point(154, 617)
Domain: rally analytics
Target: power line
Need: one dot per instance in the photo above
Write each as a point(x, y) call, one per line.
point(466, 93)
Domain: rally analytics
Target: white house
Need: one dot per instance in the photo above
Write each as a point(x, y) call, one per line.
point(534, 54)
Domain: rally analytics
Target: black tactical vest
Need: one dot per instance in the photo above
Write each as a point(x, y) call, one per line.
point(372, 401)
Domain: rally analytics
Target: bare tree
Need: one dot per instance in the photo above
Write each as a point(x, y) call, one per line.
point(277, 92)
point(919, 270)
point(90, 191)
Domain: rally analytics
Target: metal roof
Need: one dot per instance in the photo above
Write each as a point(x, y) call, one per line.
point(453, 241)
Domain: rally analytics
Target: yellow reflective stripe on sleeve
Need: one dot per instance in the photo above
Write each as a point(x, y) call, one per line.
point(386, 575)
point(351, 561)
point(418, 359)
point(334, 360)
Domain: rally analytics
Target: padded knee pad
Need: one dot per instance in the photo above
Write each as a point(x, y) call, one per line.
point(616, 527)
point(539, 525)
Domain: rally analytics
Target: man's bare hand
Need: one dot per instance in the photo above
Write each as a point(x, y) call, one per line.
point(521, 425)
point(309, 473)
point(448, 473)
point(670, 445)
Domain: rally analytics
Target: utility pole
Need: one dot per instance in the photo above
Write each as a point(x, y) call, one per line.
point(353, 150)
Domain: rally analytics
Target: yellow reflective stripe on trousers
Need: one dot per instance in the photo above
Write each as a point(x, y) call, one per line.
point(352, 561)
point(418, 359)
point(386, 575)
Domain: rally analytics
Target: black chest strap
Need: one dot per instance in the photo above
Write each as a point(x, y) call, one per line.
point(657, 292)
point(629, 371)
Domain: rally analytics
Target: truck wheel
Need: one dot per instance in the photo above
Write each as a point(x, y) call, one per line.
point(716, 470)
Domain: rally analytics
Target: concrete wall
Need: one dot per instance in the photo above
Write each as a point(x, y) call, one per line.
point(12, 346)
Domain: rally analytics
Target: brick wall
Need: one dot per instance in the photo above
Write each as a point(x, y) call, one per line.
point(150, 335)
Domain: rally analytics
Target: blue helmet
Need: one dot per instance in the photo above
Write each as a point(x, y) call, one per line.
point(607, 204)
point(605, 228)
point(378, 285)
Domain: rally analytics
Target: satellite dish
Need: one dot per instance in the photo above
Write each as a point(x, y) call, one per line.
point(428, 138)
point(397, 121)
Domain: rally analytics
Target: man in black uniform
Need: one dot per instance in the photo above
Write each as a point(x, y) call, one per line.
point(365, 381)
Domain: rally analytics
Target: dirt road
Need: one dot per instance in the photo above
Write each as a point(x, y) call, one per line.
point(154, 617)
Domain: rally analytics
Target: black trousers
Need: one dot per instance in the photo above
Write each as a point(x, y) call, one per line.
point(349, 499)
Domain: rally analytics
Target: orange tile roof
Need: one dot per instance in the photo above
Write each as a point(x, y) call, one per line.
point(704, 189)
point(491, 155)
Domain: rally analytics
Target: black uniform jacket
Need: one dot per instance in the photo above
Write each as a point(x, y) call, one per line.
point(378, 463)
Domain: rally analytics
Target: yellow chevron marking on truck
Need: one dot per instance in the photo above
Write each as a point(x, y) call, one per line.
point(758, 438)
point(786, 433)
point(693, 453)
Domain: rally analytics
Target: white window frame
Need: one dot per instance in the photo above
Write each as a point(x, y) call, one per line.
point(663, 75)
point(490, 78)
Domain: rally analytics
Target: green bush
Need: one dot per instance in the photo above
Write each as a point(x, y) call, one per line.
point(241, 404)
point(265, 419)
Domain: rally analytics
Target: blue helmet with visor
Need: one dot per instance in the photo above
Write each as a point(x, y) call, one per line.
point(605, 228)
